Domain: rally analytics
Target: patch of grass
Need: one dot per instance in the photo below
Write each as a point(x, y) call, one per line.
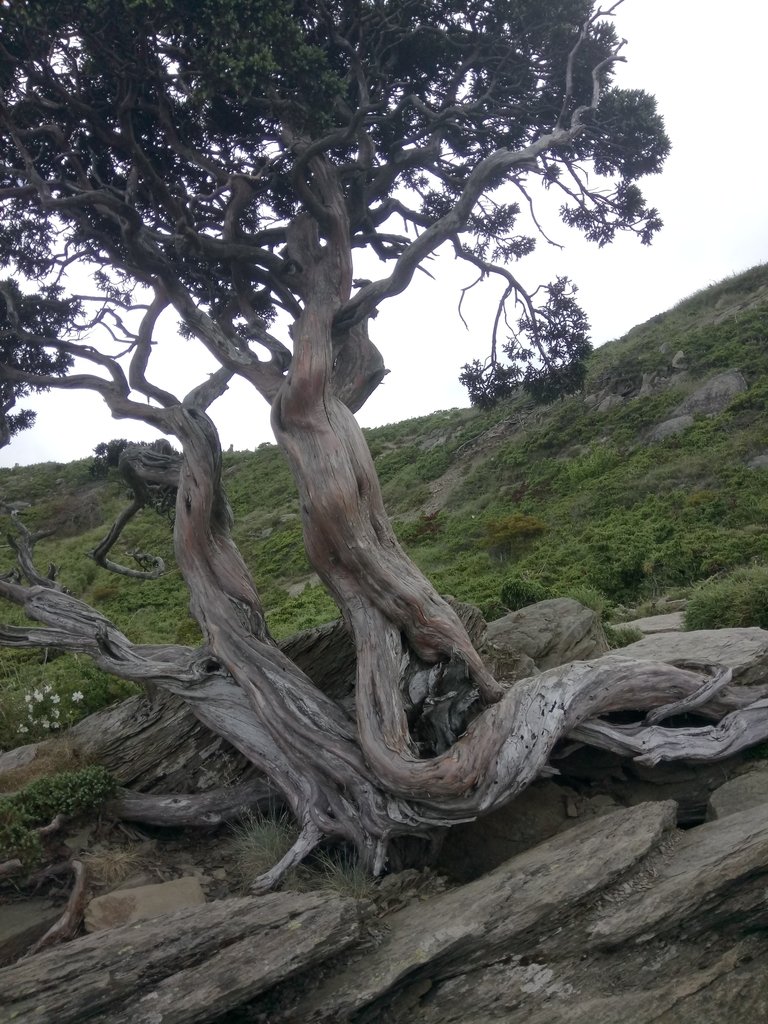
point(258, 843)
point(340, 872)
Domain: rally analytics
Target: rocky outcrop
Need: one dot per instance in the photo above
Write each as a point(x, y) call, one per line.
point(543, 636)
point(668, 932)
point(183, 968)
point(739, 794)
point(713, 395)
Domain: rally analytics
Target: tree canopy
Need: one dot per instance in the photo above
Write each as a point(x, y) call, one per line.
point(173, 144)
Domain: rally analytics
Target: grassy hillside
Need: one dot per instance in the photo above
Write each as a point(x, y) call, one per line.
point(571, 496)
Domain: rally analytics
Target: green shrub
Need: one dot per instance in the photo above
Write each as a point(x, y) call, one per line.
point(739, 599)
point(519, 592)
point(68, 793)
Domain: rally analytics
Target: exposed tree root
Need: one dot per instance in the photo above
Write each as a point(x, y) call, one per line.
point(69, 922)
point(309, 838)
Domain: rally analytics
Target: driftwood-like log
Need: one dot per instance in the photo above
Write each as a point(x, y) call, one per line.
point(185, 968)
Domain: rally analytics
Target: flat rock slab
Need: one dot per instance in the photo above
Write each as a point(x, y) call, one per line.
point(671, 622)
point(744, 650)
point(478, 924)
point(185, 968)
point(142, 903)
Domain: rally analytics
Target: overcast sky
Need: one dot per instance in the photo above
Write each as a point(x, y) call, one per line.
point(706, 64)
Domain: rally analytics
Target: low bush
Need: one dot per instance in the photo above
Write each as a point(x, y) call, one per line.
point(738, 599)
point(68, 793)
point(621, 636)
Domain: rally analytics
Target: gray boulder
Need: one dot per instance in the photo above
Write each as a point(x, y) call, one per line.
point(543, 636)
point(713, 395)
point(675, 425)
point(610, 402)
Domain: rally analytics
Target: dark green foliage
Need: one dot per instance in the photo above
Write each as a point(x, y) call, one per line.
point(68, 793)
point(106, 455)
point(738, 599)
point(547, 354)
point(175, 124)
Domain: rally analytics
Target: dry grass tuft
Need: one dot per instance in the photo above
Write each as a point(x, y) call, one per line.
point(259, 843)
point(111, 867)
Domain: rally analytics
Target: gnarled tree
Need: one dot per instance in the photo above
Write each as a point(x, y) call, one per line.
point(224, 160)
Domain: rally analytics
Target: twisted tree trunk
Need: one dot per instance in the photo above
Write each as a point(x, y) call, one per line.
point(437, 739)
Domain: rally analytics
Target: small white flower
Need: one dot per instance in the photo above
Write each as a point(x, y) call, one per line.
point(31, 716)
point(27, 698)
point(47, 688)
point(22, 728)
point(37, 695)
point(55, 712)
point(77, 697)
point(45, 723)
point(55, 725)
point(55, 699)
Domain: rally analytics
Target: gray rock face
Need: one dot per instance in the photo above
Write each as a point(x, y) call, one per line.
point(542, 636)
point(184, 968)
point(744, 650)
point(670, 427)
point(758, 462)
point(125, 906)
point(557, 934)
point(714, 395)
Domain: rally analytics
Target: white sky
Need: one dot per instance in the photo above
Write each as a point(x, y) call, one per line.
point(706, 65)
